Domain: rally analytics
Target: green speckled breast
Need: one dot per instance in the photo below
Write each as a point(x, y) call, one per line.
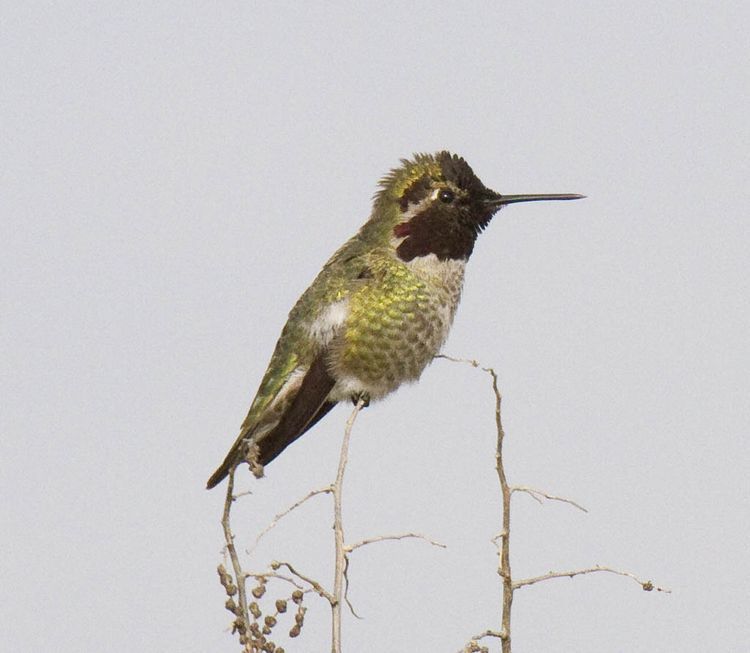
point(397, 324)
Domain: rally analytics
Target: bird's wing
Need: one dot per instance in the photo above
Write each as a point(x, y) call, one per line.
point(301, 402)
point(308, 405)
point(292, 396)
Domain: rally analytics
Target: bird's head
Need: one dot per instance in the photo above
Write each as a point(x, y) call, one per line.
point(435, 204)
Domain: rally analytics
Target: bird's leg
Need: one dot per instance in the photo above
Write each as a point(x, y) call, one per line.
point(252, 453)
point(364, 396)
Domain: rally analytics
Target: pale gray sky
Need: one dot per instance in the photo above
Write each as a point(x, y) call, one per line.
point(173, 176)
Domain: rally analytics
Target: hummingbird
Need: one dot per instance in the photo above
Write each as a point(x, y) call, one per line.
point(380, 309)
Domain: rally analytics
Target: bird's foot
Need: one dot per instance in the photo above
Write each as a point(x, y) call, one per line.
point(364, 397)
point(252, 455)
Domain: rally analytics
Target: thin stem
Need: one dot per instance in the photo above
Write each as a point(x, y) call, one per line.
point(239, 575)
point(284, 513)
point(538, 495)
point(503, 539)
point(504, 567)
point(338, 529)
point(277, 564)
point(385, 538)
point(646, 585)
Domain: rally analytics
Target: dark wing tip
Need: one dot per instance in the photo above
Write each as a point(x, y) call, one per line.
point(217, 477)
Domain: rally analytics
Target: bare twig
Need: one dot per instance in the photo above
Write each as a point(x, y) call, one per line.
point(468, 361)
point(338, 529)
point(319, 589)
point(487, 633)
point(339, 594)
point(302, 583)
point(243, 618)
point(324, 490)
point(538, 495)
point(472, 646)
point(646, 585)
point(383, 538)
point(346, 589)
point(278, 576)
point(506, 492)
point(348, 548)
point(502, 539)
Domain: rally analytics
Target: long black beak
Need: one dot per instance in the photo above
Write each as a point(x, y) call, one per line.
point(501, 200)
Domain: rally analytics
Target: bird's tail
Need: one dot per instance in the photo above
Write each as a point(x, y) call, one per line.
point(270, 445)
point(259, 445)
point(234, 457)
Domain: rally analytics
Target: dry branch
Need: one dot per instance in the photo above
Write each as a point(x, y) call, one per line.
point(247, 614)
point(502, 539)
point(341, 561)
point(279, 516)
point(242, 622)
point(646, 585)
point(276, 564)
point(384, 538)
point(539, 495)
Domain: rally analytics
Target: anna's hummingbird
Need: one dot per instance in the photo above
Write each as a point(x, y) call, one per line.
point(379, 310)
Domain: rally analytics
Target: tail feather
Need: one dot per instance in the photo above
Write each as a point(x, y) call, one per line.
point(308, 406)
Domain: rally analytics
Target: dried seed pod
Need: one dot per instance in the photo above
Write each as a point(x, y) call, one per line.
point(226, 580)
point(294, 631)
point(297, 596)
point(270, 621)
point(254, 610)
point(281, 605)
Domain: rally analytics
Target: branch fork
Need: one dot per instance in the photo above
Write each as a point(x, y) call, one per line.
point(502, 539)
point(302, 583)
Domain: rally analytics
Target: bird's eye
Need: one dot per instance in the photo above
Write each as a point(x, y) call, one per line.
point(446, 196)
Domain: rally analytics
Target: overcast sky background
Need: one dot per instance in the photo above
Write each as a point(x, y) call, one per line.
point(174, 175)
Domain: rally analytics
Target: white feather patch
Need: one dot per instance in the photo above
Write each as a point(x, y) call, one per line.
point(291, 385)
point(431, 267)
point(326, 325)
point(448, 276)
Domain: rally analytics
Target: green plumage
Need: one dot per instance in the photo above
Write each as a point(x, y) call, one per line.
point(379, 310)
